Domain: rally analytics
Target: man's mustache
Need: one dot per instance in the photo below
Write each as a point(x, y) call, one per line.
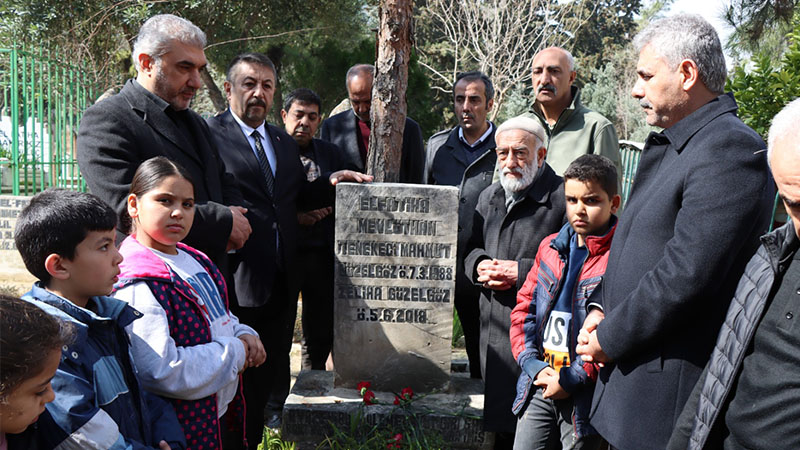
point(257, 102)
point(550, 87)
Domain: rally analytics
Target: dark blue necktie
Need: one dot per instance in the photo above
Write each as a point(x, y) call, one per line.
point(264, 163)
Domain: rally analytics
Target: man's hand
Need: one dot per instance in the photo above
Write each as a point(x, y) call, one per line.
point(309, 218)
point(547, 378)
point(595, 316)
point(256, 355)
point(164, 446)
point(349, 175)
point(588, 346)
point(240, 230)
point(497, 274)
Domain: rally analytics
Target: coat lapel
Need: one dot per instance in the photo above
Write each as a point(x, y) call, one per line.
point(240, 142)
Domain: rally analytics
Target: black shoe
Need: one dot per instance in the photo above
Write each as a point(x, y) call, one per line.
point(273, 420)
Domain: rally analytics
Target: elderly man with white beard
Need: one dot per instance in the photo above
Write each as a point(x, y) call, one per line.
point(512, 217)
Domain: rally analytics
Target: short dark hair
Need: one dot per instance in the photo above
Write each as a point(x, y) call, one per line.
point(595, 168)
point(28, 336)
point(252, 58)
point(56, 221)
point(302, 95)
point(148, 176)
point(476, 75)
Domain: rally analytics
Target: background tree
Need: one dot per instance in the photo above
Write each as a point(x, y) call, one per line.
point(497, 37)
point(762, 91)
point(760, 27)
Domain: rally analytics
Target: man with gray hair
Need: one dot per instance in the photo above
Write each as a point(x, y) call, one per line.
point(750, 397)
point(572, 129)
point(513, 215)
point(151, 117)
point(350, 130)
point(702, 197)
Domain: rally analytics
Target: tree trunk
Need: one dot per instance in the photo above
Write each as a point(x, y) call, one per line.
point(219, 100)
point(388, 110)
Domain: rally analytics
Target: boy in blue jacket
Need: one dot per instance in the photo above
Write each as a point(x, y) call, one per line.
point(66, 240)
point(555, 387)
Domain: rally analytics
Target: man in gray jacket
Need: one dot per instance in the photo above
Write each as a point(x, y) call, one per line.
point(464, 156)
point(750, 396)
point(572, 129)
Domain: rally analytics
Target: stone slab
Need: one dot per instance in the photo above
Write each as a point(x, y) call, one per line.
point(395, 270)
point(315, 405)
point(12, 269)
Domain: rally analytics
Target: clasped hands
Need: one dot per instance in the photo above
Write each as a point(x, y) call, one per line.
point(497, 274)
point(255, 355)
point(588, 347)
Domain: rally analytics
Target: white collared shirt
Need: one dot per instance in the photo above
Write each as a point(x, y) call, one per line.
point(266, 143)
point(480, 140)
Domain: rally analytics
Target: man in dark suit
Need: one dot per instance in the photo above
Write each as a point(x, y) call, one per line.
point(264, 160)
point(702, 197)
point(513, 215)
point(301, 119)
point(150, 117)
point(349, 130)
point(464, 156)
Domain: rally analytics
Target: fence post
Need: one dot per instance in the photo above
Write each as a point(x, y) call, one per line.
point(14, 122)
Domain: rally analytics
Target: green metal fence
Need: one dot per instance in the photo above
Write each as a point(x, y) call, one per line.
point(630, 153)
point(40, 108)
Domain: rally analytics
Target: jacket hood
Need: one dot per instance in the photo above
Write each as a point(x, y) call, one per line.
point(108, 309)
point(141, 262)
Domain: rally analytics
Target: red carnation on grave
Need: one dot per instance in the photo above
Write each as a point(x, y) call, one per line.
point(395, 441)
point(363, 386)
point(369, 397)
point(407, 393)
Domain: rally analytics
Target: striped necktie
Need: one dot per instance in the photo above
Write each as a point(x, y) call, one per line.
point(264, 163)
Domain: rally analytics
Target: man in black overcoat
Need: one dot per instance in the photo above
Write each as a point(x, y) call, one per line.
point(349, 130)
point(464, 156)
point(264, 160)
point(702, 196)
point(513, 215)
point(151, 117)
point(301, 118)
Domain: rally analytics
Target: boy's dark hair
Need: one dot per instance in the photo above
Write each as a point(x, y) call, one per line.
point(149, 175)
point(595, 168)
point(302, 95)
point(28, 335)
point(56, 221)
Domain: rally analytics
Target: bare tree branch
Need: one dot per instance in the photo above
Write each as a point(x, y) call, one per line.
point(498, 37)
point(267, 36)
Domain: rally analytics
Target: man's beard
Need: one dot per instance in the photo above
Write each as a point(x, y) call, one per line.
point(170, 95)
point(514, 185)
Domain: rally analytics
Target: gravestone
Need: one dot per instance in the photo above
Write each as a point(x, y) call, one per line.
point(395, 277)
point(12, 269)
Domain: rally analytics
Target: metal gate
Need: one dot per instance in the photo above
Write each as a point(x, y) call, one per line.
point(41, 105)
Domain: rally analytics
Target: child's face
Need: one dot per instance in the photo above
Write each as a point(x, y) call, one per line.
point(163, 216)
point(25, 403)
point(94, 269)
point(589, 207)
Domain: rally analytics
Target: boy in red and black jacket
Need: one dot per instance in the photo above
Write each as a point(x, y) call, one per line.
point(554, 390)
